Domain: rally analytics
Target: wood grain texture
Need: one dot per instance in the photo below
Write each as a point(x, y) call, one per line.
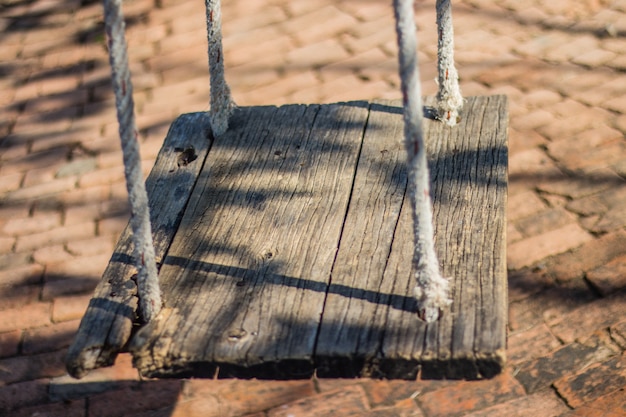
point(247, 273)
point(372, 330)
point(294, 252)
point(107, 324)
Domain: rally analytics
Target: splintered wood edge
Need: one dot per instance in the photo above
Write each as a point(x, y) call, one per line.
point(107, 325)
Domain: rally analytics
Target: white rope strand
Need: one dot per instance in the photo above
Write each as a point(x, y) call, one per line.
point(432, 289)
point(143, 252)
point(222, 104)
point(449, 98)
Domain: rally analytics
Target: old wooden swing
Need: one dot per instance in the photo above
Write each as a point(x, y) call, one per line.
point(285, 242)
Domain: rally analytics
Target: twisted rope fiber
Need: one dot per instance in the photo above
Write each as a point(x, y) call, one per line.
point(222, 104)
point(143, 251)
point(449, 98)
point(432, 289)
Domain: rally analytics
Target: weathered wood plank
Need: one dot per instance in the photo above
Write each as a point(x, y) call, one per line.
point(469, 176)
point(351, 330)
point(107, 324)
point(294, 253)
point(247, 274)
point(378, 334)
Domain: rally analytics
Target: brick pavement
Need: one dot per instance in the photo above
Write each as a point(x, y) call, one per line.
point(62, 200)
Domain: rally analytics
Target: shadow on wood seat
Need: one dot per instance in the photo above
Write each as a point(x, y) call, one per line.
point(285, 249)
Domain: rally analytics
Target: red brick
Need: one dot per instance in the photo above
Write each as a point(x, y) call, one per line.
point(245, 23)
point(574, 264)
point(83, 196)
point(69, 307)
point(307, 28)
point(546, 302)
point(541, 98)
point(582, 185)
point(372, 64)
point(539, 373)
point(403, 408)
point(465, 397)
point(617, 104)
point(121, 375)
point(14, 296)
point(618, 334)
point(349, 401)
point(208, 406)
point(531, 250)
point(595, 381)
point(68, 287)
point(341, 89)
point(9, 343)
point(610, 405)
point(529, 168)
point(11, 182)
point(49, 338)
point(609, 278)
point(65, 103)
point(13, 260)
point(365, 37)
point(592, 137)
point(42, 190)
point(594, 58)
point(77, 166)
point(23, 394)
point(25, 368)
point(595, 204)
point(51, 254)
point(148, 395)
point(21, 275)
point(317, 54)
point(25, 317)
point(100, 245)
point(299, 7)
point(285, 86)
point(530, 344)
point(613, 219)
point(544, 221)
point(523, 205)
point(102, 177)
point(110, 159)
point(388, 393)
point(533, 120)
point(240, 397)
point(596, 95)
point(84, 267)
point(594, 316)
point(512, 234)
point(112, 226)
point(541, 404)
point(65, 409)
point(57, 235)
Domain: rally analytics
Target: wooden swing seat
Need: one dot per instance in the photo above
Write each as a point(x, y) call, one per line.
point(285, 249)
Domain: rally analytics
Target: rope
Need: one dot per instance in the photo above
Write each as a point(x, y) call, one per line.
point(432, 289)
point(222, 104)
point(143, 251)
point(449, 99)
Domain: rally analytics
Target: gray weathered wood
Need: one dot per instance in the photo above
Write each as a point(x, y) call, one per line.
point(107, 324)
point(294, 252)
point(376, 333)
point(372, 329)
point(247, 273)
